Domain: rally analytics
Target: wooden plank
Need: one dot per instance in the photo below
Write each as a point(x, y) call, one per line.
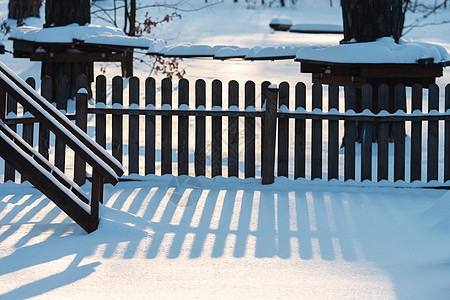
point(200, 129)
point(117, 120)
point(44, 133)
point(249, 133)
point(300, 132)
point(100, 120)
point(383, 135)
point(133, 128)
point(447, 137)
point(183, 129)
point(264, 87)
point(398, 129)
point(81, 121)
point(216, 130)
point(233, 130)
point(150, 131)
point(166, 128)
point(416, 135)
point(96, 198)
point(433, 135)
point(283, 133)
point(270, 127)
point(28, 128)
point(316, 127)
point(11, 107)
point(366, 144)
point(333, 134)
point(62, 95)
point(349, 134)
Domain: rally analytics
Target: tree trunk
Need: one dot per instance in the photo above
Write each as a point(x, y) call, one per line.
point(366, 21)
point(61, 13)
point(127, 61)
point(21, 9)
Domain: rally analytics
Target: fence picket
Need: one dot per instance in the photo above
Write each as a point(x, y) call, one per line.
point(383, 135)
point(166, 128)
point(183, 129)
point(433, 135)
point(447, 137)
point(366, 141)
point(216, 147)
point(416, 135)
point(283, 131)
point(264, 88)
point(249, 131)
point(316, 138)
point(349, 134)
point(100, 120)
point(28, 128)
point(300, 133)
point(233, 130)
point(44, 133)
point(333, 134)
point(133, 128)
point(62, 94)
point(11, 107)
point(80, 121)
point(398, 129)
point(200, 129)
point(150, 132)
point(117, 120)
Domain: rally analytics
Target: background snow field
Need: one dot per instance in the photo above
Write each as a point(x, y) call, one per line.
point(185, 237)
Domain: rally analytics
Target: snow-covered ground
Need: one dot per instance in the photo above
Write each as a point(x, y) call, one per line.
point(184, 237)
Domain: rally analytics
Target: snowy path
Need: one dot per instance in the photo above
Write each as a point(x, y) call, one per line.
point(187, 237)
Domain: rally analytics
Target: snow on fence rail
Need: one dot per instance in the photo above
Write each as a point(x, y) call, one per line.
point(232, 138)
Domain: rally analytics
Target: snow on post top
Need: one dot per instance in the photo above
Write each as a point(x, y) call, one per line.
point(382, 51)
point(89, 34)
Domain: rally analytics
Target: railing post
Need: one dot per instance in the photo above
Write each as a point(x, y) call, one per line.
point(96, 198)
point(270, 127)
point(2, 104)
point(81, 121)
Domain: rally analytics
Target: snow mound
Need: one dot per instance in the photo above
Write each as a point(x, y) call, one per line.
point(384, 50)
point(89, 34)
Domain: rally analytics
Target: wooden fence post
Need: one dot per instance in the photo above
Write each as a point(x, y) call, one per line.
point(117, 120)
point(216, 139)
point(270, 128)
point(349, 134)
point(233, 131)
point(447, 137)
point(150, 132)
point(433, 135)
point(44, 133)
point(333, 133)
point(416, 135)
point(283, 133)
point(133, 128)
point(11, 107)
point(399, 134)
point(383, 134)
point(366, 144)
point(166, 128)
point(62, 95)
point(81, 121)
point(183, 129)
point(100, 120)
point(300, 132)
point(316, 136)
point(249, 127)
point(200, 129)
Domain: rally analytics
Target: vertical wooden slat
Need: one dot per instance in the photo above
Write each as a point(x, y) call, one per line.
point(270, 127)
point(333, 134)
point(383, 134)
point(183, 129)
point(2, 104)
point(264, 87)
point(200, 129)
point(117, 120)
point(28, 128)
point(399, 134)
point(44, 133)
point(366, 144)
point(233, 130)
point(81, 121)
point(283, 132)
point(62, 95)
point(447, 137)
point(433, 135)
point(249, 131)
point(166, 128)
point(416, 135)
point(300, 132)
point(349, 134)
point(11, 107)
point(100, 120)
point(96, 197)
point(216, 130)
point(150, 132)
point(316, 138)
point(133, 128)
